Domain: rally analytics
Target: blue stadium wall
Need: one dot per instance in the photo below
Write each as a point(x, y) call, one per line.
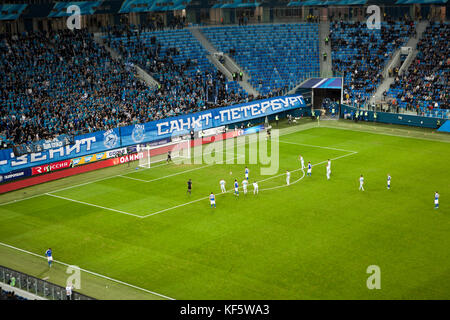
point(396, 118)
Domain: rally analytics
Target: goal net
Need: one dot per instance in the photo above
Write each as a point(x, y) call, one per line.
point(179, 151)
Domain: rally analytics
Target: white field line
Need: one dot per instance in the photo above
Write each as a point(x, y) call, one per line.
point(159, 165)
point(97, 180)
point(381, 132)
point(178, 173)
point(27, 198)
point(131, 178)
point(120, 175)
point(70, 187)
point(285, 185)
point(200, 199)
point(284, 134)
point(73, 186)
point(174, 207)
point(81, 184)
point(90, 272)
point(101, 179)
point(169, 175)
point(314, 146)
point(127, 213)
point(272, 177)
point(93, 205)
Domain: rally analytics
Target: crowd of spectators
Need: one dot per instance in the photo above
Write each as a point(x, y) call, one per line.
point(9, 295)
point(65, 83)
point(184, 83)
point(360, 53)
point(153, 24)
point(243, 20)
point(425, 85)
point(312, 18)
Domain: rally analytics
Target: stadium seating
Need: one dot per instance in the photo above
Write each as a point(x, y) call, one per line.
point(65, 83)
point(62, 83)
point(425, 86)
point(360, 54)
point(183, 60)
point(276, 56)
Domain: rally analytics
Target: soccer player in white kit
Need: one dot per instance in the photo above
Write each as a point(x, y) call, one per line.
point(255, 187)
point(244, 185)
point(328, 171)
point(361, 182)
point(302, 162)
point(222, 186)
point(389, 181)
point(288, 177)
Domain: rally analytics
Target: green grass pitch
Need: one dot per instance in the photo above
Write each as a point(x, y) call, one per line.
point(313, 239)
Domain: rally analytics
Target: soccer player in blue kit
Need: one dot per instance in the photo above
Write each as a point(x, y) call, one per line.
point(49, 256)
point(212, 199)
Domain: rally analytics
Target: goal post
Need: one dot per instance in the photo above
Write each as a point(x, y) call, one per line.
point(180, 152)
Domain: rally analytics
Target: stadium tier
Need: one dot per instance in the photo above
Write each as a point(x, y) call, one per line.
point(175, 59)
point(276, 56)
point(361, 54)
point(64, 83)
point(425, 85)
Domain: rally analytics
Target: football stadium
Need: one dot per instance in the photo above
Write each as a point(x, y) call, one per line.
point(225, 150)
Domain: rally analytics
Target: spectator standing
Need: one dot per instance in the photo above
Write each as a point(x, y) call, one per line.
point(69, 291)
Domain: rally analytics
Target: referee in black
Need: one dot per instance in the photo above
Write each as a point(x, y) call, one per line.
point(189, 183)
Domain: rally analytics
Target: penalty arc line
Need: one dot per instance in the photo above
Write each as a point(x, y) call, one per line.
point(201, 199)
point(284, 134)
point(282, 186)
point(101, 179)
point(279, 175)
point(190, 202)
point(87, 271)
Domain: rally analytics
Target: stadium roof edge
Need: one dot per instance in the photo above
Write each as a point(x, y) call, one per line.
point(11, 11)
